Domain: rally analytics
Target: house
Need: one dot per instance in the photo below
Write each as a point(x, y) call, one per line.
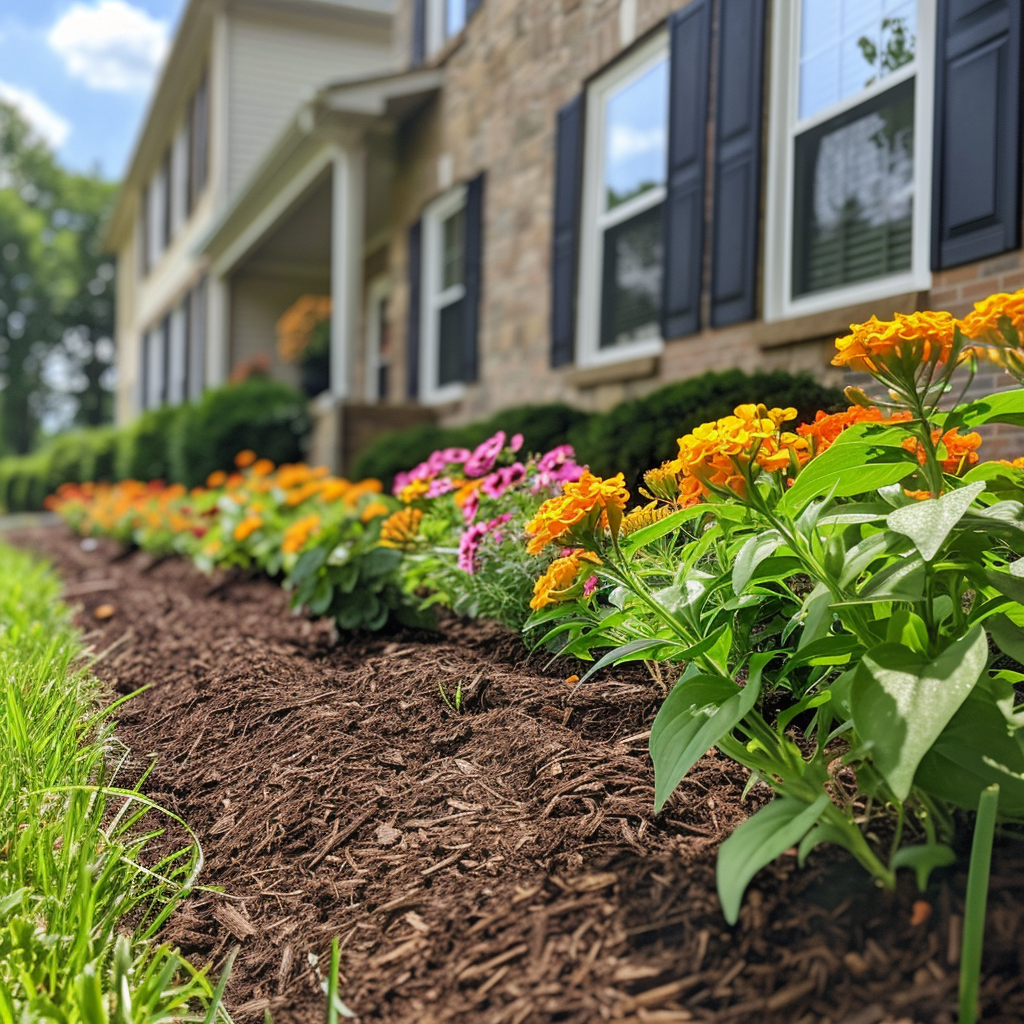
point(581, 200)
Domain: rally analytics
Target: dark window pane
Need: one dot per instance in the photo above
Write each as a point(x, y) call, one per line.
point(854, 193)
point(453, 246)
point(631, 279)
point(449, 344)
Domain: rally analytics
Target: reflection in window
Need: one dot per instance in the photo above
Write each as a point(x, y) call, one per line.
point(853, 210)
point(848, 45)
point(632, 183)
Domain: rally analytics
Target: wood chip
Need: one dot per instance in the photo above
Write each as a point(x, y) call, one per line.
point(387, 835)
point(234, 921)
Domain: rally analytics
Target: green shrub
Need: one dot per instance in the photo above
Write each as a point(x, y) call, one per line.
point(265, 415)
point(637, 435)
point(143, 447)
point(542, 427)
point(26, 485)
point(100, 458)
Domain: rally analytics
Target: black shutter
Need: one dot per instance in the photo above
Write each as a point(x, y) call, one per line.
point(419, 32)
point(689, 68)
point(566, 230)
point(412, 331)
point(976, 184)
point(474, 221)
point(471, 8)
point(737, 185)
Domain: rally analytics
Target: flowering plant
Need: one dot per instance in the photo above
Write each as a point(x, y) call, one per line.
point(828, 595)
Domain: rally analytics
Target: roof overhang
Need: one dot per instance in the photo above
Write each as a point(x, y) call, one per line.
point(339, 115)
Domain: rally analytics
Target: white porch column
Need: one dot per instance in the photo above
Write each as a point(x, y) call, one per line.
point(218, 326)
point(346, 266)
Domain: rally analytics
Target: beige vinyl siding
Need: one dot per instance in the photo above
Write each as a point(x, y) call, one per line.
point(274, 67)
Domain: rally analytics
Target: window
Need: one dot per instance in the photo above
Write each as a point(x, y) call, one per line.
point(445, 20)
point(443, 297)
point(199, 142)
point(852, 111)
point(623, 198)
point(378, 340)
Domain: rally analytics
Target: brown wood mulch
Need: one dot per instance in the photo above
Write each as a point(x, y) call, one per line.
point(498, 866)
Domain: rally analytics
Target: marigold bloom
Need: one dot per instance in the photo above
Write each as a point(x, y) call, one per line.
point(247, 527)
point(400, 529)
point(1013, 464)
point(718, 454)
point(827, 427)
point(262, 467)
point(555, 585)
point(578, 500)
point(246, 457)
point(296, 536)
point(647, 515)
point(985, 317)
point(334, 488)
point(961, 449)
point(412, 490)
point(216, 479)
point(373, 510)
point(869, 343)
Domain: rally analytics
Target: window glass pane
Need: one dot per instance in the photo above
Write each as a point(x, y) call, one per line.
point(847, 45)
point(453, 234)
point(454, 17)
point(853, 198)
point(631, 285)
point(636, 119)
point(449, 344)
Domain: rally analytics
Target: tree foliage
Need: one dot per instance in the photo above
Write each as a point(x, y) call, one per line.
point(56, 292)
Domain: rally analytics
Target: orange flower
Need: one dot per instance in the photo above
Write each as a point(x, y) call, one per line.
point(986, 314)
point(399, 530)
point(555, 585)
point(827, 427)
point(297, 323)
point(296, 536)
point(262, 467)
point(244, 458)
point(373, 510)
point(466, 490)
point(216, 479)
point(247, 527)
point(961, 449)
point(1014, 464)
point(871, 342)
point(718, 455)
point(334, 488)
point(357, 490)
point(578, 501)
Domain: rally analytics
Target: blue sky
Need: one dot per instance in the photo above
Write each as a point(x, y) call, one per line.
point(81, 71)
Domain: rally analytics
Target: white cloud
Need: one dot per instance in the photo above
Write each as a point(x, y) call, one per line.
point(45, 121)
point(627, 142)
point(110, 45)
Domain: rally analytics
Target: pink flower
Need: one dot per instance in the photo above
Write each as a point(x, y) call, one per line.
point(442, 485)
point(485, 455)
point(473, 537)
point(557, 467)
point(590, 586)
point(516, 443)
point(471, 506)
point(495, 485)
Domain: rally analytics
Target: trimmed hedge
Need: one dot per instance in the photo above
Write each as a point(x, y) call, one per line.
point(183, 443)
point(542, 427)
point(640, 434)
point(633, 437)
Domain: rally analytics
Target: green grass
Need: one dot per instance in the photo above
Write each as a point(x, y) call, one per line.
point(82, 891)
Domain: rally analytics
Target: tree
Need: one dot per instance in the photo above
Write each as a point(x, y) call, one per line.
point(56, 292)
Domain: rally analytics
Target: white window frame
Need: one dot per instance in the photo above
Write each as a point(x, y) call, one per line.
point(433, 299)
point(437, 24)
point(785, 126)
point(377, 291)
point(594, 222)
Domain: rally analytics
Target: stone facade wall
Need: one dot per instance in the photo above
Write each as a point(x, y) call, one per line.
point(514, 65)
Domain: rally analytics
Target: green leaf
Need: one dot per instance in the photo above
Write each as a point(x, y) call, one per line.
point(901, 702)
point(901, 580)
point(856, 467)
point(309, 564)
point(322, 597)
point(752, 554)
point(1004, 407)
point(1009, 637)
point(928, 523)
point(861, 555)
point(823, 832)
point(815, 616)
point(682, 733)
point(757, 842)
point(647, 645)
point(924, 859)
point(379, 562)
point(649, 534)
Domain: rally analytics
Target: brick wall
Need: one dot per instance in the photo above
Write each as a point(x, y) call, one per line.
point(506, 76)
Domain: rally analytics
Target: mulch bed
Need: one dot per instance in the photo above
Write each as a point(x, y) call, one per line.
point(498, 866)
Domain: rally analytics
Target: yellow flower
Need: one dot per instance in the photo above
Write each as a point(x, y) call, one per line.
point(244, 458)
point(296, 536)
point(578, 501)
point(247, 527)
point(648, 515)
point(986, 314)
point(399, 530)
point(373, 510)
point(413, 490)
point(216, 479)
point(555, 585)
point(869, 343)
